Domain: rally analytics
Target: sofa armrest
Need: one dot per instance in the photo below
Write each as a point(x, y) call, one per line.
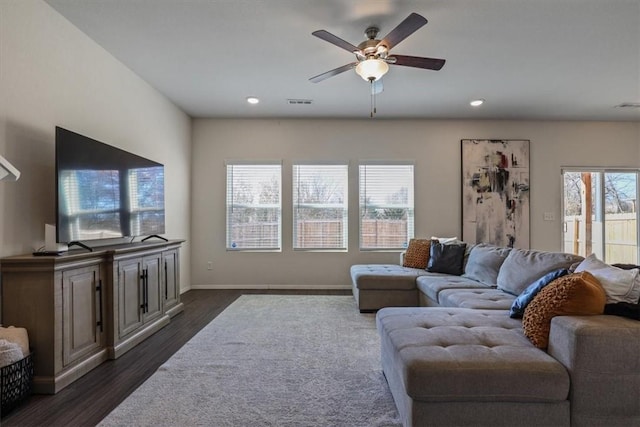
point(402, 254)
point(602, 356)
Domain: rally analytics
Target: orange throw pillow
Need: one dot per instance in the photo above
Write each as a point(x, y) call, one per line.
point(576, 294)
point(417, 254)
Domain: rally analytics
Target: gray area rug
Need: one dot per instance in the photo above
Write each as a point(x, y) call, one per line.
point(271, 360)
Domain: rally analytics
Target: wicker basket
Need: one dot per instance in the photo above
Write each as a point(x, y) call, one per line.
point(15, 383)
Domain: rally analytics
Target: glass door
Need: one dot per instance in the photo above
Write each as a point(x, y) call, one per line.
point(600, 214)
point(621, 217)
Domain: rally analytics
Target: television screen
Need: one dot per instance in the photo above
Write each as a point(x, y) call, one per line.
point(104, 192)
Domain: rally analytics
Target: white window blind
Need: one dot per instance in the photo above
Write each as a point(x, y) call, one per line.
point(254, 208)
point(320, 206)
point(386, 205)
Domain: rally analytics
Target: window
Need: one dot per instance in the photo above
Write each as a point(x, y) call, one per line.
point(320, 206)
point(146, 200)
point(600, 214)
point(386, 205)
point(254, 208)
point(91, 203)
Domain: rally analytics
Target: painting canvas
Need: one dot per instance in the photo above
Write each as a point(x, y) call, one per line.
point(495, 192)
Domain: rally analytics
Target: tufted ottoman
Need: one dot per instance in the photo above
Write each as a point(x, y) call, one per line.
point(457, 366)
point(384, 285)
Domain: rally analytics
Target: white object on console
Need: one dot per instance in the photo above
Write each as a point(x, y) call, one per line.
point(50, 244)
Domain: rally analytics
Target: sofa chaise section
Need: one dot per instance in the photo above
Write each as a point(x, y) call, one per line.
point(465, 367)
point(382, 285)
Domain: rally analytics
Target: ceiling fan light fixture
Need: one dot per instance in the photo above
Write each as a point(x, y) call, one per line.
point(372, 69)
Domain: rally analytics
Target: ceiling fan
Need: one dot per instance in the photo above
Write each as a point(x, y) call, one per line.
point(373, 55)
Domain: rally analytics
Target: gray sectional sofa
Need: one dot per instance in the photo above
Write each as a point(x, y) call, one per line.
point(452, 355)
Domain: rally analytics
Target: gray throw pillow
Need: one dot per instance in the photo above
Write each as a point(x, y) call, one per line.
point(523, 267)
point(484, 263)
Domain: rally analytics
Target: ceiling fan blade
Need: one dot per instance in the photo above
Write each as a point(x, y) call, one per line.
point(331, 73)
point(403, 30)
point(417, 62)
point(328, 37)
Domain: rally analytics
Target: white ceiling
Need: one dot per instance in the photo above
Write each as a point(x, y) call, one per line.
point(530, 59)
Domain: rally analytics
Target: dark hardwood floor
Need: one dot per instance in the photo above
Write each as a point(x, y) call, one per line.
point(87, 401)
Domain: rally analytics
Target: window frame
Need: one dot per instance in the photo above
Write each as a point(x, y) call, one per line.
point(410, 204)
point(295, 204)
point(230, 207)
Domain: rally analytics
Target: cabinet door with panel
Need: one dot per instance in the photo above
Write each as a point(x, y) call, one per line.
point(130, 297)
point(139, 292)
point(152, 272)
point(171, 279)
point(82, 310)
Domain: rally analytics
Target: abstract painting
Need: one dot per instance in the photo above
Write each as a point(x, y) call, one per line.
point(495, 192)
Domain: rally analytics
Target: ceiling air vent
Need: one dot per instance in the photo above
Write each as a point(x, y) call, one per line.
point(299, 101)
point(629, 105)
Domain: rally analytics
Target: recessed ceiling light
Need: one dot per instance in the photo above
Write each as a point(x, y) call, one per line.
point(252, 100)
point(476, 102)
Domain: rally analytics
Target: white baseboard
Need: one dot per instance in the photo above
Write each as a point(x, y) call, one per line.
point(271, 287)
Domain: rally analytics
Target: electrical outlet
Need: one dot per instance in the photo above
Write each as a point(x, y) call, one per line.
point(209, 265)
point(549, 216)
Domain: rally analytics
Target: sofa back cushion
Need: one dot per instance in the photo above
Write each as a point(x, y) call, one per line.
point(523, 267)
point(484, 263)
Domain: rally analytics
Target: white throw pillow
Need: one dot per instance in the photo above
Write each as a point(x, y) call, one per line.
point(444, 240)
point(620, 285)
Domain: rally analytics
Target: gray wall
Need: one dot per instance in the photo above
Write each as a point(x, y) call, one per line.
point(433, 145)
point(51, 74)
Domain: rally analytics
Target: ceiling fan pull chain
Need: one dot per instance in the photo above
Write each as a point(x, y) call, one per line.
point(373, 98)
point(375, 110)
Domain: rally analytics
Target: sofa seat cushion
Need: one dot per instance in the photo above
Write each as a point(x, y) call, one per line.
point(384, 276)
point(456, 354)
point(432, 283)
point(491, 299)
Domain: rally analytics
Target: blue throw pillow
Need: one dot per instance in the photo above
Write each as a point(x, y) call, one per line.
point(520, 303)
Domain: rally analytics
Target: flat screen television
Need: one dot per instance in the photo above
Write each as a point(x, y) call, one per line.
point(103, 192)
